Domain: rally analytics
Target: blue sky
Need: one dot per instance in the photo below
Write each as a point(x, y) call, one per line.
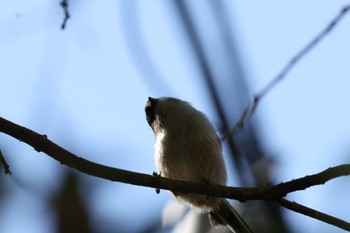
point(82, 88)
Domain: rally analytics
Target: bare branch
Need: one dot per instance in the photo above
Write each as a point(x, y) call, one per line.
point(42, 144)
point(314, 214)
point(272, 194)
point(250, 109)
point(312, 180)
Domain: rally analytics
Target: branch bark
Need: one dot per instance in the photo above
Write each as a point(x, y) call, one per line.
point(314, 214)
point(273, 193)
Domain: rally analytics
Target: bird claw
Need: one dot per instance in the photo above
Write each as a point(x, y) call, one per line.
point(208, 183)
point(156, 175)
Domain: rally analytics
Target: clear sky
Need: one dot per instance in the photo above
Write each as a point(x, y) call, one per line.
point(82, 88)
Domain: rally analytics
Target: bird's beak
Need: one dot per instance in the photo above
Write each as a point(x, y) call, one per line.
point(153, 101)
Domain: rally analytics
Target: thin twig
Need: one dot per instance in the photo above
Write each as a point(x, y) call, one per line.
point(314, 214)
point(5, 164)
point(311, 180)
point(250, 109)
point(64, 4)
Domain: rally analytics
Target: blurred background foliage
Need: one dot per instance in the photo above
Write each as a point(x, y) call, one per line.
point(86, 86)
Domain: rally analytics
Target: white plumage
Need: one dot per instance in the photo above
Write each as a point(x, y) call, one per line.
point(187, 148)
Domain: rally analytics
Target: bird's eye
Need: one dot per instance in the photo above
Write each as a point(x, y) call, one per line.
point(149, 111)
point(150, 114)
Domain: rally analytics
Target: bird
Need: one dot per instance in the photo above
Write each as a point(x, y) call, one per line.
point(187, 147)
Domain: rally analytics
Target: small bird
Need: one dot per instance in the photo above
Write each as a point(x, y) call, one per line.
point(188, 148)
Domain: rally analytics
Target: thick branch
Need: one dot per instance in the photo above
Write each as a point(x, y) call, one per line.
point(273, 193)
point(42, 144)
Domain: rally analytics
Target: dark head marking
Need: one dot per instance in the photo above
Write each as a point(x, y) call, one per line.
point(150, 110)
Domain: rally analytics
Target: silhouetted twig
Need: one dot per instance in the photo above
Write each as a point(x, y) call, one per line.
point(5, 164)
point(64, 5)
point(314, 214)
point(273, 193)
point(250, 109)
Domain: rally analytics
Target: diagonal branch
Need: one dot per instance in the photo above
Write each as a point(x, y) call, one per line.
point(314, 214)
point(273, 193)
point(250, 109)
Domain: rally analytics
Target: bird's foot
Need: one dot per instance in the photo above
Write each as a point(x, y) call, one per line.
point(156, 176)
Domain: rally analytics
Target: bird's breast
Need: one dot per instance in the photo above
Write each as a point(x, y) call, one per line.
point(159, 150)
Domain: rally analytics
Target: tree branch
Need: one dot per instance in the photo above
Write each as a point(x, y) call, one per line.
point(312, 180)
point(314, 214)
point(273, 193)
point(250, 109)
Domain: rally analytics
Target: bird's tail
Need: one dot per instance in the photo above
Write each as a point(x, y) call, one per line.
point(225, 214)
